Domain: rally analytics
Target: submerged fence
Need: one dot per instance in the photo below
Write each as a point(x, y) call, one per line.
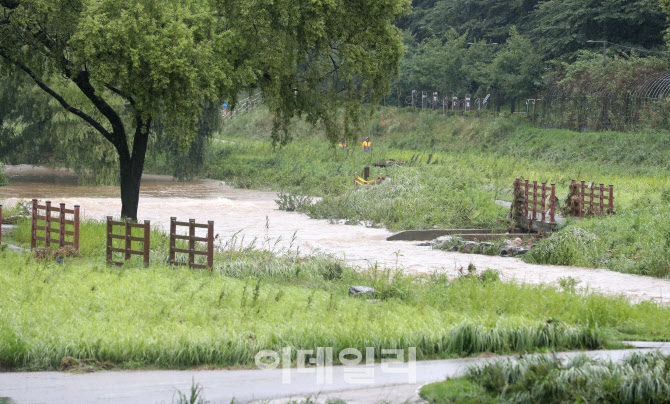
point(534, 205)
point(533, 202)
point(589, 200)
point(60, 222)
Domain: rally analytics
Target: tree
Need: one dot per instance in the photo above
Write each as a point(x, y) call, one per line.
point(131, 62)
point(488, 20)
point(563, 26)
point(447, 65)
point(517, 69)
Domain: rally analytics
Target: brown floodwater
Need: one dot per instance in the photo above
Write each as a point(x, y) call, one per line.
point(245, 217)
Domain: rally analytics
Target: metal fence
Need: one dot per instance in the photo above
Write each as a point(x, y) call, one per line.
point(614, 106)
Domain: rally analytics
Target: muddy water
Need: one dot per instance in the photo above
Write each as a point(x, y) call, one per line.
point(252, 216)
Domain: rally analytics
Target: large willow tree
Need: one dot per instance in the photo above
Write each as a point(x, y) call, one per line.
point(130, 61)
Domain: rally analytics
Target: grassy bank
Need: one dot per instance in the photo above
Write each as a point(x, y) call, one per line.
point(641, 378)
point(455, 169)
point(172, 317)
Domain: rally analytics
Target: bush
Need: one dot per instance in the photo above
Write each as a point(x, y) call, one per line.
point(572, 246)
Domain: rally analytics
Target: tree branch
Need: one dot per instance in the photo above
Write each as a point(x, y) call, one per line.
point(81, 80)
point(87, 118)
point(121, 94)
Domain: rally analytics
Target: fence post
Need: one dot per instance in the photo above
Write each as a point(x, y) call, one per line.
point(47, 226)
point(581, 200)
point(355, 178)
point(61, 230)
point(128, 245)
point(109, 238)
point(534, 200)
point(210, 244)
point(147, 241)
point(544, 201)
point(173, 230)
point(591, 210)
point(611, 207)
point(525, 199)
point(366, 173)
point(191, 242)
point(552, 204)
point(600, 203)
point(75, 237)
point(33, 230)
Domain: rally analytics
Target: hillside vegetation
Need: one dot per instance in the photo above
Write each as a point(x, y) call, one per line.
point(456, 167)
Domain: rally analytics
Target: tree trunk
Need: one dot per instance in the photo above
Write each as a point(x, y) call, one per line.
point(130, 188)
point(513, 104)
point(131, 168)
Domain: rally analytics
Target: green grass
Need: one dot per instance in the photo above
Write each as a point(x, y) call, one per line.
point(456, 168)
point(3, 177)
point(172, 317)
point(640, 378)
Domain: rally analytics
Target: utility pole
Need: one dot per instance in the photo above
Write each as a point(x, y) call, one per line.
point(604, 49)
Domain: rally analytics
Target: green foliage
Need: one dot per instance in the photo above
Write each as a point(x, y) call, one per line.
point(410, 195)
point(517, 69)
point(440, 64)
point(634, 241)
point(562, 27)
point(597, 97)
point(3, 177)
point(173, 317)
point(121, 67)
point(456, 167)
point(488, 20)
point(458, 391)
point(572, 246)
point(640, 378)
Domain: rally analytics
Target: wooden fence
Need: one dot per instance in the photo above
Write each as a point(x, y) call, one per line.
point(589, 200)
point(128, 239)
point(192, 239)
point(534, 202)
point(59, 221)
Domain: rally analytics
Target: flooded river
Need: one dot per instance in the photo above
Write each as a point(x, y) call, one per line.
point(253, 215)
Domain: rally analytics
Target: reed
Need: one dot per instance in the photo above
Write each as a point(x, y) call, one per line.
point(640, 378)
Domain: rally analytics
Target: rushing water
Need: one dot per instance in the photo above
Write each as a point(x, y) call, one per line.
point(253, 217)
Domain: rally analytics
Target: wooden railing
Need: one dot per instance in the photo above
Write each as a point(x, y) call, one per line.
point(128, 239)
point(589, 200)
point(535, 202)
point(192, 240)
point(60, 223)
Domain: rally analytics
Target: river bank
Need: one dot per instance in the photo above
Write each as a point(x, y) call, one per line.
point(252, 217)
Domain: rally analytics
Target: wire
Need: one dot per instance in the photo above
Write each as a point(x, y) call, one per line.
point(637, 49)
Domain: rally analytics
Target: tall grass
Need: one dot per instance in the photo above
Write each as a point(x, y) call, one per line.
point(456, 168)
point(173, 317)
point(641, 378)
